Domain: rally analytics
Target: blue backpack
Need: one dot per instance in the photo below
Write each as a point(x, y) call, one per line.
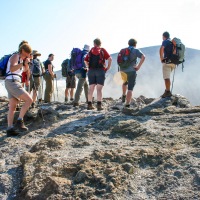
point(76, 59)
point(3, 65)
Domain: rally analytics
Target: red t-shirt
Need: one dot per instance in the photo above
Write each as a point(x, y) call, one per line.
point(96, 51)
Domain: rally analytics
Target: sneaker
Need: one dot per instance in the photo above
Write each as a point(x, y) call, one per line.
point(90, 106)
point(99, 106)
point(75, 104)
point(11, 132)
point(123, 98)
point(20, 126)
point(166, 94)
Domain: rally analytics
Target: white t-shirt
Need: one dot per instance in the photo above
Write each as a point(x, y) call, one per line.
point(18, 72)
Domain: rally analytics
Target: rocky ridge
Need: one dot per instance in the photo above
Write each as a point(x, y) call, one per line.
point(148, 151)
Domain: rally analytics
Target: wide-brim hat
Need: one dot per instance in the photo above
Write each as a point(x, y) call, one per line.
point(86, 47)
point(36, 53)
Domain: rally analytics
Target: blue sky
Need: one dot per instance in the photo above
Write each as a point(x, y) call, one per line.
point(56, 26)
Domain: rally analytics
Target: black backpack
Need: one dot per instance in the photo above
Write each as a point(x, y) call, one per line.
point(96, 61)
point(65, 67)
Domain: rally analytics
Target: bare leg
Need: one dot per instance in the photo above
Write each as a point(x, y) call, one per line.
point(91, 91)
point(28, 100)
point(72, 93)
point(167, 84)
point(99, 92)
point(12, 107)
point(129, 96)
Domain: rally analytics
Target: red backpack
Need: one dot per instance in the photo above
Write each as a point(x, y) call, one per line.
point(96, 61)
point(123, 58)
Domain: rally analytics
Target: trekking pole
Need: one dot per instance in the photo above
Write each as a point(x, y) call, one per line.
point(53, 91)
point(173, 80)
point(57, 89)
point(37, 99)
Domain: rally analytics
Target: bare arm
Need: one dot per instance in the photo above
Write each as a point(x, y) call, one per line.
point(50, 70)
point(14, 67)
point(161, 53)
point(140, 63)
point(109, 63)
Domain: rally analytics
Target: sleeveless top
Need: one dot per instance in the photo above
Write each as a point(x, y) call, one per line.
point(18, 72)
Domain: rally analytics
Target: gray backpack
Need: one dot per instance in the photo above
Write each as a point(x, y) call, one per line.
point(178, 54)
point(36, 68)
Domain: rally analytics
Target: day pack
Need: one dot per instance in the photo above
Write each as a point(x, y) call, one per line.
point(36, 68)
point(3, 65)
point(123, 58)
point(76, 59)
point(96, 61)
point(178, 53)
point(65, 67)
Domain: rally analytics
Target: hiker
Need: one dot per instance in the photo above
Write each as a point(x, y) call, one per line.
point(49, 78)
point(81, 76)
point(167, 67)
point(95, 62)
point(17, 63)
point(70, 83)
point(37, 70)
point(128, 69)
point(25, 80)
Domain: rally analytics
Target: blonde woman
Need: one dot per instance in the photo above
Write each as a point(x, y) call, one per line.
point(16, 65)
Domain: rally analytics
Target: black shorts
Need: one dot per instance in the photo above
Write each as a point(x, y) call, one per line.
point(70, 82)
point(130, 79)
point(96, 76)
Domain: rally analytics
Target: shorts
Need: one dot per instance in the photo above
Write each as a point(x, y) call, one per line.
point(167, 69)
point(70, 82)
point(14, 88)
point(24, 77)
point(36, 84)
point(129, 78)
point(96, 76)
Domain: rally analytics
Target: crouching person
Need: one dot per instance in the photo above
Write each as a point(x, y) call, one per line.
point(16, 65)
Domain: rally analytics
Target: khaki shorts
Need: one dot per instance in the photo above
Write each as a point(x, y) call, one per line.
point(34, 84)
point(14, 88)
point(167, 69)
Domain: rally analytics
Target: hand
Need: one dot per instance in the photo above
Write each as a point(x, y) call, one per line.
point(26, 61)
point(54, 76)
point(136, 68)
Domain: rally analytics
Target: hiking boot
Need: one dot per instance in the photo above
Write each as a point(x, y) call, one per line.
point(17, 108)
point(127, 106)
point(39, 101)
point(33, 105)
point(75, 104)
point(20, 125)
point(90, 106)
point(11, 132)
point(66, 99)
point(166, 94)
point(123, 98)
point(71, 99)
point(99, 106)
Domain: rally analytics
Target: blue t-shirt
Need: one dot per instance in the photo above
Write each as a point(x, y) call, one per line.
point(168, 47)
point(134, 55)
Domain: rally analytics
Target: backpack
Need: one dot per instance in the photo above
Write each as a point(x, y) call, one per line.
point(178, 53)
point(3, 65)
point(65, 67)
point(76, 59)
point(36, 68)
point(123, 58)
point(96, 61)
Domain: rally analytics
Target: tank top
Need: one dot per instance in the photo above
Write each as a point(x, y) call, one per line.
point(18, 72)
